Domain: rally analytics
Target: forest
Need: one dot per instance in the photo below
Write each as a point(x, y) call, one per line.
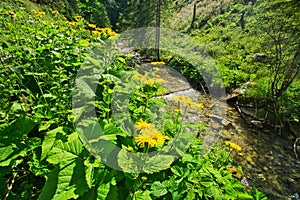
point(157, 99)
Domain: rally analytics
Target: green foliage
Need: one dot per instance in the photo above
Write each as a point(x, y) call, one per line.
point(43, 156)
point(257, 195)
point(256, 42)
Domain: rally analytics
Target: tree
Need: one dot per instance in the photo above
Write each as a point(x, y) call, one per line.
point(279, 24)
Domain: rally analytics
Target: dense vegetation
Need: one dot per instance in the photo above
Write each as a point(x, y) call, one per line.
point(42, 155)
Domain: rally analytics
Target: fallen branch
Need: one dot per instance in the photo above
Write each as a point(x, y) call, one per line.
point(295, 148)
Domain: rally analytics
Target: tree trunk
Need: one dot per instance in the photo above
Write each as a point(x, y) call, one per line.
point(157, 40)
point(194, 16)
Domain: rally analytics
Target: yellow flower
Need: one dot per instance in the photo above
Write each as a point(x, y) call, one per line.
point(150, 136)
point(92, 26)
point(33, 11)
point(55, 12)
point(72, 23)
point(149, 81)
point(97, 33)
point(110, 32)
point(129, 149)
point(158, 63)
point(200, 105)
point(140, 77)
point(156, 69)
point(187, 101)
point(11, 13)
point(78, 18)
point(234, 146)
point(40, 14)
point(140, 125)
point(177, 111)
point(156, 80)
point(110, 91)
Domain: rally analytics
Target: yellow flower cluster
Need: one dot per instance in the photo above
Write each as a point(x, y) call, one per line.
point(97, 33)
point(106, 31)
point(40, 14)
point(234, 146)
point(55, 12)
point(109, 31)
point(78, 18)
point(72, 23)
point(92, 26)
point(158, 63)
point(11, 13)
point(149, 81)
point(149, 135)
point(187, 101)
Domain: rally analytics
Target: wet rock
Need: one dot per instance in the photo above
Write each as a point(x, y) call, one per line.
point(244, 181)
point(238, 91)
point(225, 122)
point(220, 120)
point(257, 124)
point(295, 196)
point(261, 177)
point(215, 126)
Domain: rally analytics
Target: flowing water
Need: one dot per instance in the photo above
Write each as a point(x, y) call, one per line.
point(267, 159)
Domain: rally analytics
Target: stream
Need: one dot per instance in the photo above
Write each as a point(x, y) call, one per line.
point(267, 159)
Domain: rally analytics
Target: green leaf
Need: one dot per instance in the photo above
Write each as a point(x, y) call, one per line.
point(64, 190)
point(60, 156)
point(16, 130)
point(89, 172)
point(50, 186)
point(158, 189)
point(130, 162)
point(177, 170)
point(83, 43)
point(103, 190)
point(111, 77)
point(73, 145)
point(113, 192)
point(206, 184)
point(77, 113)
point(46, 125)
point(142, 195)
point(122, 60)
point(85, 91)
point(191, 194)
point(49, 141)
point(66, 194)
point(5, 152)
point(158, 163)
point(258, 195)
